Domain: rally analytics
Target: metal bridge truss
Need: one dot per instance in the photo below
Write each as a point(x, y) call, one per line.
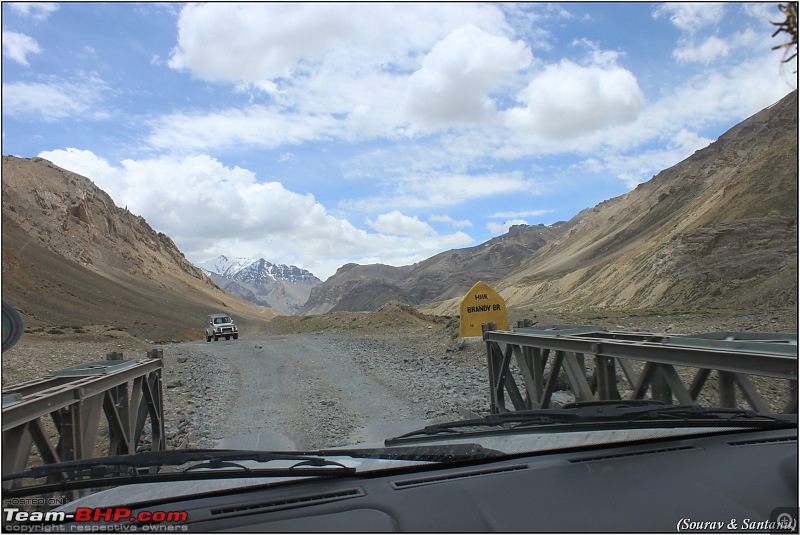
point(61, 415)
point(637, 363)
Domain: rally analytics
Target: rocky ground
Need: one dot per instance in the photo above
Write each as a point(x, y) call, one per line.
point(414, 365)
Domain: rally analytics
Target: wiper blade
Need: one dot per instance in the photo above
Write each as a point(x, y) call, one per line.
point(144, 468)
point(628, 414)
point(435, 454)
point(651, 410)
point(647, 411)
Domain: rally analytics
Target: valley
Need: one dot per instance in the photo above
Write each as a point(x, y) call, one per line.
point(335, 378)
point(717, 231)
point(707, 245)
point(282, 288)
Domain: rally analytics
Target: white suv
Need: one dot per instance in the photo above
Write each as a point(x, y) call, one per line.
point(218, 325)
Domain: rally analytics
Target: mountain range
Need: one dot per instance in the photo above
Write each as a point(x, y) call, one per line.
point(71, 257)
point(277, 286)
point(443, 276)
point(717, 230)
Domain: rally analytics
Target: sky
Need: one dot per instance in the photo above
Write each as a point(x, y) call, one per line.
point(317, 135)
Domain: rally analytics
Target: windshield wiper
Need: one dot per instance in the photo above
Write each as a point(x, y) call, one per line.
point(162, 466)
point(598, 415)
point(435, 454)
point(197, 464)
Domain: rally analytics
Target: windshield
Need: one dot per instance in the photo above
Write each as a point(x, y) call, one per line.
point(417, 214)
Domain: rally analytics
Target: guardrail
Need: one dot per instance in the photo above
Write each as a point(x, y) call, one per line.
point(597, 364)
point(60, 416)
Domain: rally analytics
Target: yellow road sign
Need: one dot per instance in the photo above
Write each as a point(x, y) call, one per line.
point(482, 305)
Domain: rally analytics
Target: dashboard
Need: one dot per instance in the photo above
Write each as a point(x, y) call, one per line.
point(733, 481)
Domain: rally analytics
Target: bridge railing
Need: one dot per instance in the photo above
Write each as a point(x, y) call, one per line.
point(590, 363)
point(60, 417)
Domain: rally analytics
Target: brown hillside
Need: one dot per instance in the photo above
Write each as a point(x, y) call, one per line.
point(71, 257)
point(442, 276)
point(717, 230)
point(355, 288)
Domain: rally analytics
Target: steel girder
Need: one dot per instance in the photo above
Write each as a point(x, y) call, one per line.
point(645, 361)
point(125, 394)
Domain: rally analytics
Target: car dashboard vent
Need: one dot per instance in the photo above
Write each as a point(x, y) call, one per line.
point(778, 440)
point(416, 482)
point(607, 457)
point(288, 503)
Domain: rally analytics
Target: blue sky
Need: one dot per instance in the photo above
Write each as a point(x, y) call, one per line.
point(322, 134)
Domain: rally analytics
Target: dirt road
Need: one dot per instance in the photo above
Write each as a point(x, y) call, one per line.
point(304, 387)
point(316, 390)
point(329, 380)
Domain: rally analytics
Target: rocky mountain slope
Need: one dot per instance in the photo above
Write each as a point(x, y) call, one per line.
point(277, 286)
point(71, 257)
point(451, 273)
point(717, 230)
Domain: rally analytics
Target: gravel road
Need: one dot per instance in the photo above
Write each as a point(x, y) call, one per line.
point(331, 380)
point(316, 390)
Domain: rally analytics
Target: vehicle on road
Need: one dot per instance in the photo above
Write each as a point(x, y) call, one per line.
point(219, 325)
point(617, 466)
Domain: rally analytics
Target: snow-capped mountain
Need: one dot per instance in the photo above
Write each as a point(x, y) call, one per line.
point(263, 272)
point(224, 266)
point(278, 286)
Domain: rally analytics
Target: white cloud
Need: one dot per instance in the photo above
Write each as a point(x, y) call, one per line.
point(640, 167)
point(719, 95)
point(251, 42)
point(502, 228)
point(453, 83)
point(397, 223)
point(208, 208)
point(386, 71)
point(442, 218)
point(439, 188)
point(534, 20)
point(690, 141)
point(568, 100)
point(360, 86)
point(518, 215)
point(432, 89)
point(345, 70)
point(255, 125)
point(762, 11)
point(722, 94)
point(447, 189)
point(691, 17)
point(17, 46)
point(85, 163)
point(709, 50)
point(35, 10)
point(254, 42)
point(56, 100)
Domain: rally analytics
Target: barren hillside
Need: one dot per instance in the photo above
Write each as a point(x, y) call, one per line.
point(717, 230)
point(443, 276)
point(354, 287)
point(71, 257)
